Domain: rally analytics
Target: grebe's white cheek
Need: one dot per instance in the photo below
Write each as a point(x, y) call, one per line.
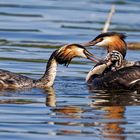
point(103, 43)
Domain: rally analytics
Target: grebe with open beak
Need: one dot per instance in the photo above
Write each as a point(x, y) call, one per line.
point(10, 80)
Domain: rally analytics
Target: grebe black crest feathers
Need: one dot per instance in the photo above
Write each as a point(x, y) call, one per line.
point(102, 35)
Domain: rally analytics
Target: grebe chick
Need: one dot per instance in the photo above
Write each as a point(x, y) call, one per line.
point(111, 41)
point(125, 78)
point(10, 80)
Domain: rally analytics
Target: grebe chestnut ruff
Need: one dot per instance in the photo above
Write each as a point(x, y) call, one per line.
point(10, 80)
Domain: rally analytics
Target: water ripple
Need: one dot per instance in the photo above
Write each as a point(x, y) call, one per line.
point(29, 32)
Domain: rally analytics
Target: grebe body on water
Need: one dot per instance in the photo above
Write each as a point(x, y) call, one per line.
point(10, 80)
point(101, 77)
point(125, 78)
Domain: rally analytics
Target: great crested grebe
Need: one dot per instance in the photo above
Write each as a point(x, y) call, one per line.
point(10, 80)
point(112, 41)
point(125, 78)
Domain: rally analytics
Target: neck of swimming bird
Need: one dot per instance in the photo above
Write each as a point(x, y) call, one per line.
point(118, 45)
point(48, 78)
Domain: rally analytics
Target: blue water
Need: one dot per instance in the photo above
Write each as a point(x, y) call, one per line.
point(30, 30)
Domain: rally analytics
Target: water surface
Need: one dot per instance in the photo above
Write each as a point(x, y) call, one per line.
point(30, 30)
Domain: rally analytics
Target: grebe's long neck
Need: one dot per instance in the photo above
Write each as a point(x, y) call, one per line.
point(48, 78)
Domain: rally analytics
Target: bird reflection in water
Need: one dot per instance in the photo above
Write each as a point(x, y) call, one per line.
point(51, 97)
point(114, 105)
point(51, 101)
point(72, 112)
point(109, 123)
point(114, 114)
point(113, 129)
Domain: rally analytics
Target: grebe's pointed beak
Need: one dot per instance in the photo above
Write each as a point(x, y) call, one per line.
point(65, 54)
point(91, 56)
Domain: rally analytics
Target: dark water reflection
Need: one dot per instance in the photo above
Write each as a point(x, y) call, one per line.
point(104, 115)
point(30, 30)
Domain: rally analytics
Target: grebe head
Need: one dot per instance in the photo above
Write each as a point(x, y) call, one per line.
point(111, 41)
point(65, 54)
